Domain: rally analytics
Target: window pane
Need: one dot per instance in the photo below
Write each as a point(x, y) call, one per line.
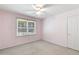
point(30, 24)
point(21, 24)
point(31, 30)
point(22, 30)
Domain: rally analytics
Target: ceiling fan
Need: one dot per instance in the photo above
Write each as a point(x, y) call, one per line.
point(39, 8)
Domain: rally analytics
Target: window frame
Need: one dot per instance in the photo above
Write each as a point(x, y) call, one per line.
point(27, 27)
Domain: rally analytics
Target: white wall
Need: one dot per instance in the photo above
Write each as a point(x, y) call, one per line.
point(55, 28)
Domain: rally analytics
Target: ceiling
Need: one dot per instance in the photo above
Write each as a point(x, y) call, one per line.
point(25, 9)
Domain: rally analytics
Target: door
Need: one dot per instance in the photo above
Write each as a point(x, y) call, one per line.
point(73, 41)
point(77, 40)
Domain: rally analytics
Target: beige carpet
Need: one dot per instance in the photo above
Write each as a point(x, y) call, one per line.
point(38, 48)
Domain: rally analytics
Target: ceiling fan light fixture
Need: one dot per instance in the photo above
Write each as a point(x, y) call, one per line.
point(43, 9)
point(37, 6)
point(40, 5)
point(38, 13)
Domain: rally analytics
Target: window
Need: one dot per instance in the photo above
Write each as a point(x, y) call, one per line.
point(25, 27)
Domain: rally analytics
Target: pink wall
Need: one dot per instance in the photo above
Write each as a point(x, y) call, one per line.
point(8, 36)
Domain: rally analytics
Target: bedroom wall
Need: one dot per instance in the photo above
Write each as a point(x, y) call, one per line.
point(55, 27)
point(8, 36)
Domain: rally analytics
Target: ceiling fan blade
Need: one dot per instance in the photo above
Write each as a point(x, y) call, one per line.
point(47, 5)
point(29, 10)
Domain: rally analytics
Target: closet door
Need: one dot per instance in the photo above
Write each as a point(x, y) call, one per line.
point(73, 32)
point(77, 40)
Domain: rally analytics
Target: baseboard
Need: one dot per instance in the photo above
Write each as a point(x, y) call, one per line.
point(19, 45)
point(60, 45)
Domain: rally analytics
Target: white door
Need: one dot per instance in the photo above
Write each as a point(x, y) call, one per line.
point(77, 40)
point(73, 41)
